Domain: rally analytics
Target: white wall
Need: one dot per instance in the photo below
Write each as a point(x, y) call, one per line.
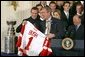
point(8, 13)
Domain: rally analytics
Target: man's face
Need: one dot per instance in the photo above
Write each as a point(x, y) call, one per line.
point(76, 20)
point(39, 8)
point(45, 14)
point(66, 6)
point(34, 13)
point(52, 6)
point(78, 9)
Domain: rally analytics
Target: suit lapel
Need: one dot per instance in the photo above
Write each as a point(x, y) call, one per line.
point(43, 26)
point(53, 25)
point(64, 15)
point(79, 28)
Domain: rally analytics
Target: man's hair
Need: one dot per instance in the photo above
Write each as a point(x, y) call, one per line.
point(66, 2)
point(77, 16)
point(39, 5)
point(52, 3)
point(34, 8)
point(47, 8)
point(79, 4)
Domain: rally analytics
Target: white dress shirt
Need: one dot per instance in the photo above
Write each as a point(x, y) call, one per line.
point(67, 14)
point(48, 26)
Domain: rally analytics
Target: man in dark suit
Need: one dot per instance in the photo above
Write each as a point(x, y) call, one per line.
point(34, 19)
point(52, 27)
point(66, 15)
point(76, 31)
point(80, 11)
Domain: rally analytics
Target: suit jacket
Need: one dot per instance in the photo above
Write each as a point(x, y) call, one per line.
point(66, 22)
point(77, 35)
point(82, 19)
point(59, 7)
point(35, 22)
point(56, 27)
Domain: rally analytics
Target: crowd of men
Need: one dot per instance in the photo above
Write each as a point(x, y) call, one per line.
point(58, 18)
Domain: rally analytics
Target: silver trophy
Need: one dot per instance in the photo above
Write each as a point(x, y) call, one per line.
point(10, 38)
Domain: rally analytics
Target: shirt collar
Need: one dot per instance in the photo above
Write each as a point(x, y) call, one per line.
point(78, 25)
point(41, 19)
point(49, 19)
point(66, 12)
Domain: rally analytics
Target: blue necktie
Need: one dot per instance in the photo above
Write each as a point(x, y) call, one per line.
point(76, 27)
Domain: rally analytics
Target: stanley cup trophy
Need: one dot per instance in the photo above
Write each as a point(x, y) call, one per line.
point(10, 38)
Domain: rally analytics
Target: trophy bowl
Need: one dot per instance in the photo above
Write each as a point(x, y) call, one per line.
point(11, 22)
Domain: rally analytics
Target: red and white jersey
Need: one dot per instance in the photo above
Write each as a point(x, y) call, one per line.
point(32, 42)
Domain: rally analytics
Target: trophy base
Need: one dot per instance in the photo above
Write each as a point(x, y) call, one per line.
point(8, 54)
